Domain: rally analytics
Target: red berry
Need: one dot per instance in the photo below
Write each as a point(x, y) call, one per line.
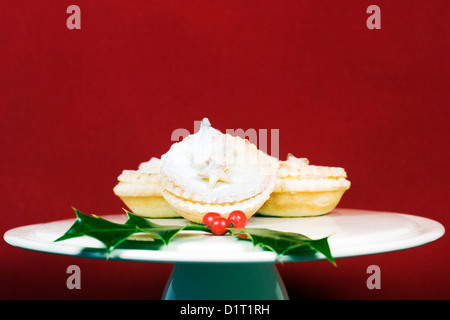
point(209, 218)
point(219, 226)
point(237, 219)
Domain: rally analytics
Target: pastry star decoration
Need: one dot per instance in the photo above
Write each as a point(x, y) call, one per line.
point(214, 172)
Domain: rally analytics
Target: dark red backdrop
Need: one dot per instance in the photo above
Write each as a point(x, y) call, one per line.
point(78, 106)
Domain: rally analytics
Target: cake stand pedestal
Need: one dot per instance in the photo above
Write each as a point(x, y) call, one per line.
point(225, 281)
point(221, 267)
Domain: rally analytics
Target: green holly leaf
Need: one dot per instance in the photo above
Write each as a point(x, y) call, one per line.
point(109, 233)
point(283, 243)
point(112, 234)
point(163, 232)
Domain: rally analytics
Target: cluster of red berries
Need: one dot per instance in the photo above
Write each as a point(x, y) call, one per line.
point(219, 225)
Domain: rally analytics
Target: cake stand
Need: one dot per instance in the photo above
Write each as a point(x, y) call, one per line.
point(246, 272)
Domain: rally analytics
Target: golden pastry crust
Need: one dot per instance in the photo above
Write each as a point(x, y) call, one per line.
point(310, 185)
point(300, 168)
point(210, 171)
point(301, 204)
point(137, 184)
point(140, 190)
point(305, 190)
point(150, 206)
point(195, 211)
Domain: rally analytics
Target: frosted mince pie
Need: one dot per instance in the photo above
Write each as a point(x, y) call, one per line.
point(140, 190)
point(305, 190)
point(214, 172)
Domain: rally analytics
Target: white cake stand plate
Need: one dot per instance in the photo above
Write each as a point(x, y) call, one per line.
point(222, 267)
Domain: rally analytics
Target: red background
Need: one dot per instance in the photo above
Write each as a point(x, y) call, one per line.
point(79, 106)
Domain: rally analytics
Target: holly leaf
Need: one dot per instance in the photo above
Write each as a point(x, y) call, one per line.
point(163, 232)
point(113, 234)
point(283, 243)
point(109, 233)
